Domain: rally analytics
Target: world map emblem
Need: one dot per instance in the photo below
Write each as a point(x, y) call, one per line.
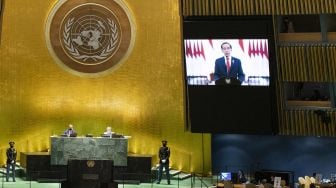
point(89, 38)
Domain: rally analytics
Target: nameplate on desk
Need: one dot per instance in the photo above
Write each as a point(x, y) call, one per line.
point(112, 136)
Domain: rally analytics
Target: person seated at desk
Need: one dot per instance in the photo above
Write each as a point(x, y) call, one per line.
point(70, 132)
point(108, 132)
point(241, 177)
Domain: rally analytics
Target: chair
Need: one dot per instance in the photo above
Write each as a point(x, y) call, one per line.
point(283, 183)
point(198, 80)
point(258, 80)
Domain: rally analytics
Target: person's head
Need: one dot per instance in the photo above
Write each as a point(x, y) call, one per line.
point(108, 129)
point(164, 142)
point(11, 144)
point(226, 49)
point(70, 126)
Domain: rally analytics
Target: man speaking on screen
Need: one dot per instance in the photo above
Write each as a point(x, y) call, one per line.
point(228, 69)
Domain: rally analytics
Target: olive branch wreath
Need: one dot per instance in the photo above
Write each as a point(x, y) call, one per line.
point(103, 55)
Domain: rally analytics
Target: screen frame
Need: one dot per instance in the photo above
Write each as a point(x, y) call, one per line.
point(258, 27)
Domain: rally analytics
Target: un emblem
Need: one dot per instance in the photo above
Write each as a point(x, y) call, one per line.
point(89, 38)
point(90, 164)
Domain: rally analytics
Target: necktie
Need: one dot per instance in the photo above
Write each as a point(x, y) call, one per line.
point(228, 65)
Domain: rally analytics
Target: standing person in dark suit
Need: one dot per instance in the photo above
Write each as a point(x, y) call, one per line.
point(228, 67)
point(164, 154)
point(11, 160)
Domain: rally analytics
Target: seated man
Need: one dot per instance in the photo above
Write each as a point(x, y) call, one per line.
point(70, 132)
point(108, 132)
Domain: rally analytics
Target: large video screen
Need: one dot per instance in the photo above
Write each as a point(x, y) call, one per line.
point(230, 72)
point(208, 61)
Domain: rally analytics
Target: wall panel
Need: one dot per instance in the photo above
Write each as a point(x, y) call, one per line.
point(143, 98)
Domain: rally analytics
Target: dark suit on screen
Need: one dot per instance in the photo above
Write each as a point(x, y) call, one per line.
point(236, 70)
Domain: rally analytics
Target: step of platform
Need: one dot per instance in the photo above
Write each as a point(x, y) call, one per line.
point(50, 180)
point(133, 182)
point(173, 172)
point(2, 170)
point(183, 176)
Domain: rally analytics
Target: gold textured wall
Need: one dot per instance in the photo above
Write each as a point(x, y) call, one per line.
point(143, 98)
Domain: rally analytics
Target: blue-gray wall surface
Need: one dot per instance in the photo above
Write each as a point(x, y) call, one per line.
point(302, 155)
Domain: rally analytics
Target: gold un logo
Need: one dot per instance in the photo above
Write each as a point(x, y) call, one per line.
point(90, 38)
point(90, 163)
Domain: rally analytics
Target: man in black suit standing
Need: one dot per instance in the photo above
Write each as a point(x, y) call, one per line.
point(11, 160)
point(228, 67)
point(164, 154)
